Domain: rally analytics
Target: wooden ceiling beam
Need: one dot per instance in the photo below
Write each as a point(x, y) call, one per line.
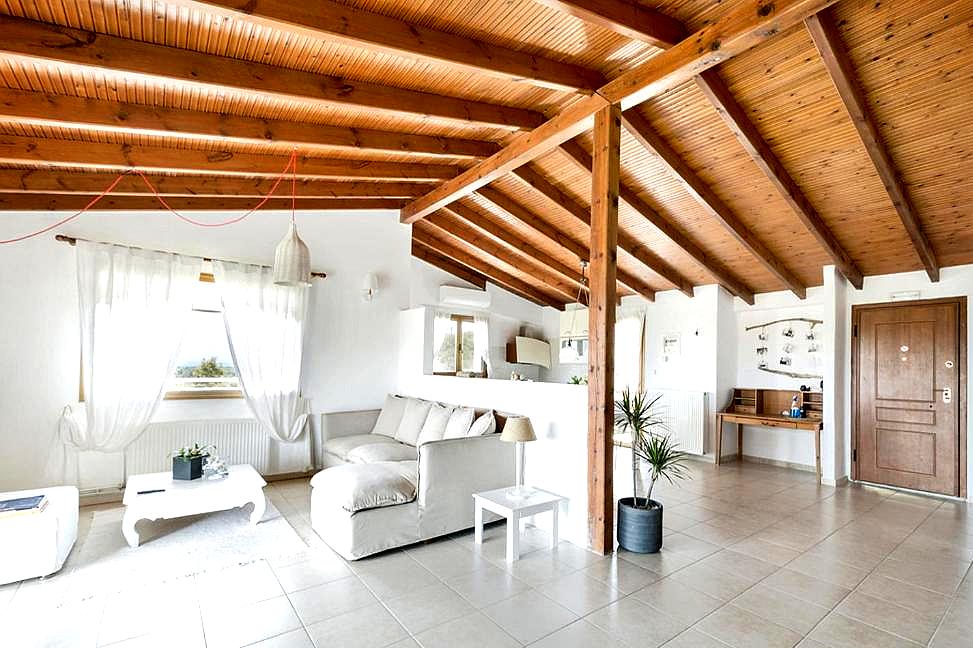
point(640, 128)
point(331, 21)
point(540, 273)
point(74, 154)
point(504, 280)
point(582, 159)
point(444, 263)
point(634, 21)
point(41, 109)
point(747, 24)
point(827, 40)
point(548, 231)
point(75, 202)
point(639, 23)
point(74, 47)
point(45, 181)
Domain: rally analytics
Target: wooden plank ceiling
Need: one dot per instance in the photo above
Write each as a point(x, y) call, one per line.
point(842, 140)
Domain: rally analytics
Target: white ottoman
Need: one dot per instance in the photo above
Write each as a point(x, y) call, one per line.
point(37, 545)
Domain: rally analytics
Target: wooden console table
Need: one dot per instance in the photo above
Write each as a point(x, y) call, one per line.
point(772, 400)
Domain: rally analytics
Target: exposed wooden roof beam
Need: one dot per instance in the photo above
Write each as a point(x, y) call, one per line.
point(378, 33)
point(749, 23)
point(45, 181)
point(826, 38)
point(50, 153)
point(635, 21)
point(639, 23)
point(548, 231)
point(539, 273)
point(40, 109)
point(504, 280)
point(430, 256)
point(582, 159)
point(74, 202)
point(639, 127)
point(43, 42)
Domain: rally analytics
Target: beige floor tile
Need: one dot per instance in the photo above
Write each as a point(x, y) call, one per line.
point(486, 586)
point(940, 579)
point(428, 607)
point(537, 568)
point(620, 574)
point(529, 616)
point(662, 563)
point(133, 613)
point(767, 551)
point(395, 578)
point(780, 608)
point(574, 556)
point(331, 599)
point(580, 593)
point(471, 631)
point(235, 627)
point(838, 631)
point(635, 623)
point(712, 581)
point(408, 642)
point(736, 627)
point(293, 639)
point(905, 594)
point(954, 631)
point(367, 627)
point(738, 564)
point(722, 536)
point(806, 588)
point(579, 634)
point(309, 573)
point(693, 638)
point(446, 559)
point(679, 601)
point(887, 616)
point(238, 586)
point(828, 569)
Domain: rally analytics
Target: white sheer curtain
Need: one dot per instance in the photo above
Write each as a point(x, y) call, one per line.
point(265, 324)
point(444, 355)
point(629, 336)
point(481, 341)
point(134, 307)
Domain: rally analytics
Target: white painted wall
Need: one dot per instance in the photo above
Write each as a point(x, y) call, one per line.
point(351, 349)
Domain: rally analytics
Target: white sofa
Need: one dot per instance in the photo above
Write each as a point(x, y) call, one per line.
point(38, 544)
point(377, 492)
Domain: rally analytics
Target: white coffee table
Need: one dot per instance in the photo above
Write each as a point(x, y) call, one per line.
point(499, 501)
point(179, 498)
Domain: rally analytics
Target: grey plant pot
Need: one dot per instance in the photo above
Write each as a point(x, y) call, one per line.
point(187, 469)
point(639, 529)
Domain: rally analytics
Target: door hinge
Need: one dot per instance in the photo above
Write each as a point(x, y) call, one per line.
point(854, 331)
point(854, 455)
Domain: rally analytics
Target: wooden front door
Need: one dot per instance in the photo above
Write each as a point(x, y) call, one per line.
point(908, 395)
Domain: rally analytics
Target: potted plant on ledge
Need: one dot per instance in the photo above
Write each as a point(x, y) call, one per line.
point(640, 518)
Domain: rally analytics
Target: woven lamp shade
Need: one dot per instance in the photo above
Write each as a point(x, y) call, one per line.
point(518, 429)
point(292, 261)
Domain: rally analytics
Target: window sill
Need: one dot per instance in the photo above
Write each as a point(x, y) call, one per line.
point(202, 395)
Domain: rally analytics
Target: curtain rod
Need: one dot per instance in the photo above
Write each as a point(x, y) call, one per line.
point(70, 240)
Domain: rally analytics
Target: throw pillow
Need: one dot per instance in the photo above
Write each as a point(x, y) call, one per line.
point(435, 425)
point(459, 423)
point(390, 416)
point(486, 424)
point(413, 419)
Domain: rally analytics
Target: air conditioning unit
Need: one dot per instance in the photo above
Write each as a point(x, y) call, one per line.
point(468, 297)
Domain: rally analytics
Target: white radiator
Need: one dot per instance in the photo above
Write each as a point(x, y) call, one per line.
point(686, 414)
point(236, 441)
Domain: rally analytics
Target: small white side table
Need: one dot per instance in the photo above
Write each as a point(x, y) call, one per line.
point(499, 501)
point(178, 498)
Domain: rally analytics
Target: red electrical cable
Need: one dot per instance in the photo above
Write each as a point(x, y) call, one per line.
point(291, 166)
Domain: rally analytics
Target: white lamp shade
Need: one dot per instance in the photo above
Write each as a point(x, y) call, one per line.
point(292, 261)
point(370, 283)
point(518, 429)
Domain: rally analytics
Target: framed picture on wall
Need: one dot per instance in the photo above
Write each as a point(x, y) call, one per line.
point(671, 346)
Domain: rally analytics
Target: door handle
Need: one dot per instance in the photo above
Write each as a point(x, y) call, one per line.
point(947, 394)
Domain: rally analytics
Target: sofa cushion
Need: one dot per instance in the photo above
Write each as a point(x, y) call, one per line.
point(435, 425)
point(356, 487)
point(485, 424)
point(388, 451)
point(390, 416)
point(341, 446)
point(413, 419)
point(459, 423)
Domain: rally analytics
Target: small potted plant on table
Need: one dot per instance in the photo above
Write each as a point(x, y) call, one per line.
point(640, 518)
point(187, 462)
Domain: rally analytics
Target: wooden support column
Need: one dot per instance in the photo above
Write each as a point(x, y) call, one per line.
point(601, 327)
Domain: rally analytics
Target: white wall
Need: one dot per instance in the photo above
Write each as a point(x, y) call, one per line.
point(351, 348)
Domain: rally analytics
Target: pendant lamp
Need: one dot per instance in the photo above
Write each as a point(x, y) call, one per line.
point(292, 260)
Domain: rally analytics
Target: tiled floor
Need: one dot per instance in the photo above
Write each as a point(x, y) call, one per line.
point(753, 556)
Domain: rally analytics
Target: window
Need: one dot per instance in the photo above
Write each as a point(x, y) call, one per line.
point(204, 367)
point(455, 346)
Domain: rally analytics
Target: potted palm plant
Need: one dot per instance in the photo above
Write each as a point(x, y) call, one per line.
point(640, 518)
